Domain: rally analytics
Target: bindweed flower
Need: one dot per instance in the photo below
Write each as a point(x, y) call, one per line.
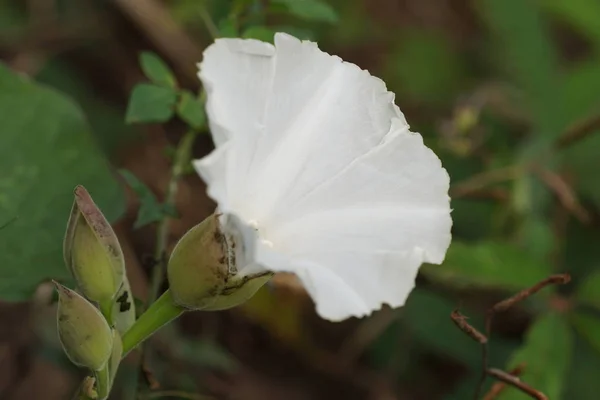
point(92, 251)
point(84, 333)
point(315, 172)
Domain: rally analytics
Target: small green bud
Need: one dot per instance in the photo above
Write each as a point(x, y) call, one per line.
point(202, 270)
point(92, 251)
point(198, 268)
point(84, 333)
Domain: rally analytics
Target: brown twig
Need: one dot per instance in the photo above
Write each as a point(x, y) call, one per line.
point(558, 279)
point(579, 131)
point(157, 24)
point(461, 322)
point(511, 301)
point(498, 387)
point(479, 181)
point(564, 192)
point(516, 383)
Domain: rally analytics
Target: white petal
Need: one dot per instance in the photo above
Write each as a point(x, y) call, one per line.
point(399, 172)
point(294, 118)
point(313, 153)
point(236, 75)
point(213, 170)
point(375, 252)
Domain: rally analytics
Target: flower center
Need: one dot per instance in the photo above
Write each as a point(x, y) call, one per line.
point(254, 224)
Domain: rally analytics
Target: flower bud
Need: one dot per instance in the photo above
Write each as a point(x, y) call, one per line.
point(198, 268)
point(202, 271)
point(92, 251)
point(238, 291)
point(84, 333)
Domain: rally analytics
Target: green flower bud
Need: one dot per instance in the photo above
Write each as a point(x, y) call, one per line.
point(200, 276)
point(92, 251)
point(84, 333)
point(197, 268)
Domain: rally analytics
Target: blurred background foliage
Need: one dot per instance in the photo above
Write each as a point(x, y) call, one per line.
point(507, 92)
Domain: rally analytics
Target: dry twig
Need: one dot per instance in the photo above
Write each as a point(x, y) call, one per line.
point(507, 378)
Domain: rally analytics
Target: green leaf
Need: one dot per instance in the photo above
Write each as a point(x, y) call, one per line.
point(109, 128)
point(588, 292)
point(46, 149)
point(488, 264)
point(588, 326)
point(191, 110)
point(583, 382)
point(312, 10)
point(260, 33)
point(150, 209)
point(547, 354)
point(157, 70)
point(150, 103)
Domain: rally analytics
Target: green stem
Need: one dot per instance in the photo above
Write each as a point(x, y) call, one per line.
point(161, 312)
point(106, 308)
point(212, 28)
point(180, 163)
point(103, 383)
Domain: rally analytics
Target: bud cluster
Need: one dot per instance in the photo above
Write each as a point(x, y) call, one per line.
point(97, 324)
point(92, 320)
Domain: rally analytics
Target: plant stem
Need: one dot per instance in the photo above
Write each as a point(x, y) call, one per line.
point(161, 312)
point(211, 27)
point(180, 163)
point(103, 382)
point(106, 310)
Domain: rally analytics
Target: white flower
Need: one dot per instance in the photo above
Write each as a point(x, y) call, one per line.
point(316, 173)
